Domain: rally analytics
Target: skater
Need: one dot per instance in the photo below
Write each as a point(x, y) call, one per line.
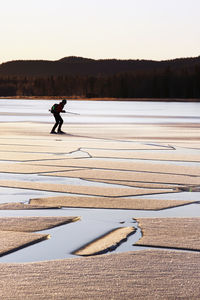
point(56, 110)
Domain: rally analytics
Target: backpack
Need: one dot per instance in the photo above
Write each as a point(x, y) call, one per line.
point(54, 108)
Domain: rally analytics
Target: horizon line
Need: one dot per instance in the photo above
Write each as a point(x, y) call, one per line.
point(98, 59)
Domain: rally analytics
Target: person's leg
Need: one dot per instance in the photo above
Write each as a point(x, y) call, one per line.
point(60, 124)
point(57, 119)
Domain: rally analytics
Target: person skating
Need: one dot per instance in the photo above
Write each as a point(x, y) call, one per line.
point(56, 110)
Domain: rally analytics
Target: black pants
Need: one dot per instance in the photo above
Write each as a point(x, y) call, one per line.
point(58, 123)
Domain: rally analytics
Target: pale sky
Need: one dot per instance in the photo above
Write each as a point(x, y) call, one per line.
point(122, 29)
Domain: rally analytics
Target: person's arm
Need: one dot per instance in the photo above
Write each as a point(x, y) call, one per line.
point(63, 111)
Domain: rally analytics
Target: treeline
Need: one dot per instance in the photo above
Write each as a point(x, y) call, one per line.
point(165, 83)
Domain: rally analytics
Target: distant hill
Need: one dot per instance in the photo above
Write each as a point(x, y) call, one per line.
point(73, 65)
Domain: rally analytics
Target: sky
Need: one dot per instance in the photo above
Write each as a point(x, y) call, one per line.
point(99, 29)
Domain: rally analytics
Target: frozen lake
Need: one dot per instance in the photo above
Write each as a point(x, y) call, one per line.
point(12, 110)
point(95, 222)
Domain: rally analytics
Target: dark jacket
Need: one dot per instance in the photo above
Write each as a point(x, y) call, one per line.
point(59, 108)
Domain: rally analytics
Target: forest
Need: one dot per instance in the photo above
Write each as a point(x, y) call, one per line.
point(163, 82)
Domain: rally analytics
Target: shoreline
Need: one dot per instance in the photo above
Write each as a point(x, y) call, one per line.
point(74, 98)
